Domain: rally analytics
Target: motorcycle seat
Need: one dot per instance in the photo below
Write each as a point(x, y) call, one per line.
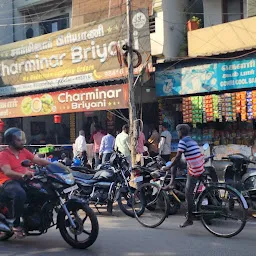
point(88, 182)
point(82, 169)
point(220, 167)
point(83, 176)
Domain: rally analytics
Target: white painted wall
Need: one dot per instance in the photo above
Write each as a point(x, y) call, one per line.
point(170, 22)
point(6, 32)
point(157, 38)
point(212, 12)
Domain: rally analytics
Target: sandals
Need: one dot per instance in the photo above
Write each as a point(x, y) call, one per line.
point(186, 223)
point(19, 232)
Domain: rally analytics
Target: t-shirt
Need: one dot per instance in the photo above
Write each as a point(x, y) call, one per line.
point(141, 141)
point(7, 157)
point(122, 144)
point(193, 156)
point(97, 137)
point(165, 143)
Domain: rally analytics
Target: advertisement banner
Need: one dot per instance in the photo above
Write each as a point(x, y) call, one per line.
point(66, 101)
point(212, 77)
point(79, 55)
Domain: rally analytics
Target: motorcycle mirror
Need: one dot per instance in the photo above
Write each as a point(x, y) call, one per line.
point(206, 146)
point(26, 163)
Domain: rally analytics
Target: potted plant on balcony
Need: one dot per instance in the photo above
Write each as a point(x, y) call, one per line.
point(194, 23)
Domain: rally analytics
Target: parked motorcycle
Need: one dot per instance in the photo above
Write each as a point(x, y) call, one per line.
point(52, 190)
point(238, 174)
point(109, 184)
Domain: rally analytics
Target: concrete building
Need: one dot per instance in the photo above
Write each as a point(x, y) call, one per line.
point(23, 19)
point(228, 26)
point(6, 17)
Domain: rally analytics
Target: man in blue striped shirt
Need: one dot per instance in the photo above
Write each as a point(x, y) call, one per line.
point(195, 163)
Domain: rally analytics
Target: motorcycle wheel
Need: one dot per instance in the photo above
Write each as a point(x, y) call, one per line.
point(125, 201)
point(5, 236)
point(71, 235)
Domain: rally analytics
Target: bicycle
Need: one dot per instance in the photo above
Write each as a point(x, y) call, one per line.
point(214, 206)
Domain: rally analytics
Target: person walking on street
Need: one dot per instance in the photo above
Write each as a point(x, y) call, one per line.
point(97, 137)
point(154, 142)
point(140, 148)
point(165, 143)
point(122, 144)
point(80, 148)
point(107, 147)
point(93, 125)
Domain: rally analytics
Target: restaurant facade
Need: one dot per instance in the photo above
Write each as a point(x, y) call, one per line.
point(75, 74)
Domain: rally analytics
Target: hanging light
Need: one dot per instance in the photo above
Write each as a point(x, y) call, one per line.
point(1, 126)
point(57, 119)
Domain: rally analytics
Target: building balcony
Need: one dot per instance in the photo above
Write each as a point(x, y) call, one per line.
point(223, 38)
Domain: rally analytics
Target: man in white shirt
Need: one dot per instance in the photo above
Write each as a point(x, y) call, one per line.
point(122, 144)
point(165, 143)
point(80, 147)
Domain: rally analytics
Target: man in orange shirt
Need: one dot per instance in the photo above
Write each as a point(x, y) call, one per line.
point(12, 173)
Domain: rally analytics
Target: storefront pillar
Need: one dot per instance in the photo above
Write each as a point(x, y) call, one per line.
point(72, 118)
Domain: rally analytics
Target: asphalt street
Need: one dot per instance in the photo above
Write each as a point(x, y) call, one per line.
point(121, 235)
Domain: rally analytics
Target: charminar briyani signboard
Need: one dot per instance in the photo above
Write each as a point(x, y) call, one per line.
point(73, 56)
point(66, 101)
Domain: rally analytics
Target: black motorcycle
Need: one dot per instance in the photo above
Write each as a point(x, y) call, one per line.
point(109, 184)
point(236, 172)
point(52, 190)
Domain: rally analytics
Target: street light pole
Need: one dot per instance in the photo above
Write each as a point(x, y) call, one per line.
point(132, 106)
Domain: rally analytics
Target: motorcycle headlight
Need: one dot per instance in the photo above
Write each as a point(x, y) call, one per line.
point(67, 178)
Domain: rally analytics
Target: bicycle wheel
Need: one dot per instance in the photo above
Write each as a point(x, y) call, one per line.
point(125, 201)
point(222, 211)
point(155, 203)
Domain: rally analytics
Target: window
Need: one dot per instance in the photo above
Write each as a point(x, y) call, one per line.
point(54, 24)
point(152, 24)
point(232, 10)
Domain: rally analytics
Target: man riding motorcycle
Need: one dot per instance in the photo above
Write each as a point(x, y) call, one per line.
point(12, 173)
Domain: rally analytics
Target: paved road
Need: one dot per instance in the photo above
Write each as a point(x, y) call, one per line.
point(121, 235)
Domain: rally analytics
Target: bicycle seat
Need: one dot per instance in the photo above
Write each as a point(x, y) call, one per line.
point(221, 167)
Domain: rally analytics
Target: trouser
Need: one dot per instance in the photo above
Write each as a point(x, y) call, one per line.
point(14, 191)
point(129, 160)
point(106, 157)
point(166, 158)
point(153, 154)
point(189, 193)
point(84, 159)
point(97, 159)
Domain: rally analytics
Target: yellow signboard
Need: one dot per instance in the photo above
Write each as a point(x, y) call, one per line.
point(78, 55)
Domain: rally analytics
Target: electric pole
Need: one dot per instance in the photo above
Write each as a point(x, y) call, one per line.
point(132, 106)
